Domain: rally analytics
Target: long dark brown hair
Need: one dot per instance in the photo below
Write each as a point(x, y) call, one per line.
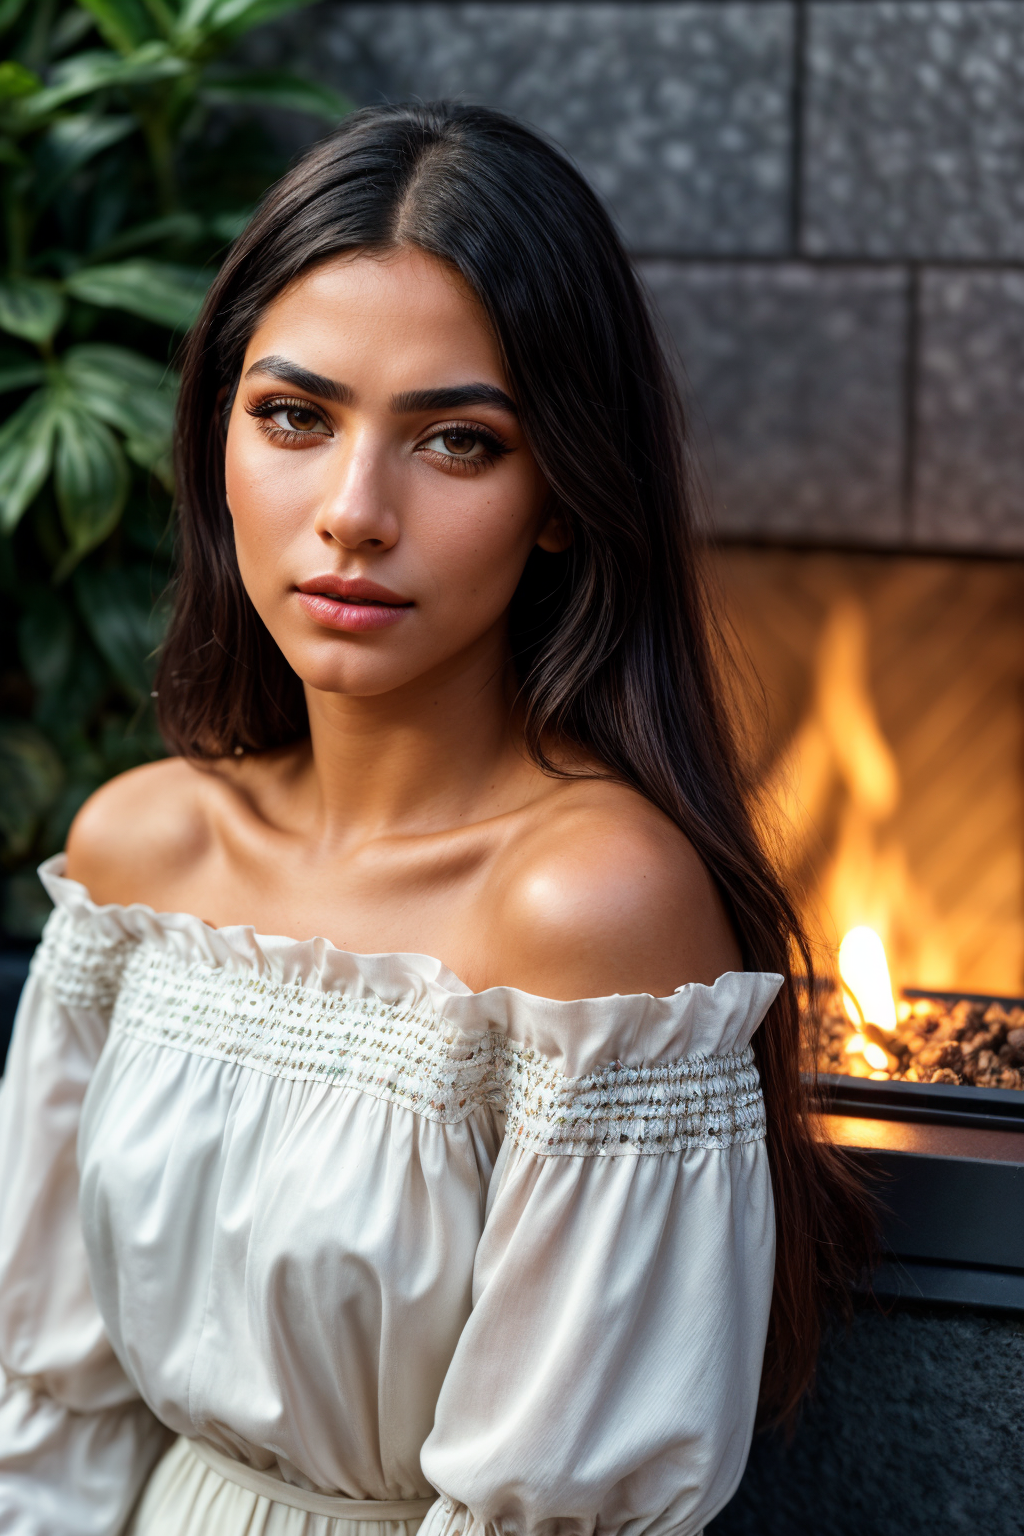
point(614, 642)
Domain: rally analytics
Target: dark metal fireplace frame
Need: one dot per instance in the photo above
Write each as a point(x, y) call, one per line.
point(947, 1163)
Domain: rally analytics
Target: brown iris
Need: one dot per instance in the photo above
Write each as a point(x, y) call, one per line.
point(302, 420)
point(461, 443)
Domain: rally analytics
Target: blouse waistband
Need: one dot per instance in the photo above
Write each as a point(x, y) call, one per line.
point(267, 1486)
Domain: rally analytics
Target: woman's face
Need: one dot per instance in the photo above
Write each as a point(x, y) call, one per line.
point(384, 498)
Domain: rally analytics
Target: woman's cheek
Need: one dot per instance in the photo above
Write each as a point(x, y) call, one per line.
point(269, 506)
point(476, 541)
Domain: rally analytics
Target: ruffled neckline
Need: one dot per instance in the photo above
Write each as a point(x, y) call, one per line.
point(636, 1027)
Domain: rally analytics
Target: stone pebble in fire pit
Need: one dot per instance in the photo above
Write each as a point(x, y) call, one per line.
point(981, 1044)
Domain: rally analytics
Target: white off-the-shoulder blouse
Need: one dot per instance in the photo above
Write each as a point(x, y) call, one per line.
point(353, 1226)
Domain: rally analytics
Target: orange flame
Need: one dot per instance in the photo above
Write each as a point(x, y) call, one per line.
point(865, 970)
point(839, 772)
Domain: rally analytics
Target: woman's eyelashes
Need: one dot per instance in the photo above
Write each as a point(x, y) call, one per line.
point(459, 446)
point(290, 420)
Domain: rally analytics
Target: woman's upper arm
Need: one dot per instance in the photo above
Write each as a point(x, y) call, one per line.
point(607, 1377)
point(75, 1441)
point(610, 898)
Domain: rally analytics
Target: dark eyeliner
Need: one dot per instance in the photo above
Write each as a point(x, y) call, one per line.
point(494, 444)
point(266, 408)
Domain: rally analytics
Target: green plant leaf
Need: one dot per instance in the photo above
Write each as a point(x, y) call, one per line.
point(92, 480)
point(193, 14)
point(228, 226)
point(118, 608)
point(274, 88)
point(96, 70)
point(231, 18)
point(155, 290)
point(26, 453)
point(131, 393)
point(187, 227)
point(164, 14)
point(68, 31)
point(64, 711)
point(30, 307)
point(10, 10)
point(124, 24)
point(101, 369)
point(19, 375)
point(46, 638)
point(70, 143)
point(17, 81)
point(31, 775)
point(157, 458)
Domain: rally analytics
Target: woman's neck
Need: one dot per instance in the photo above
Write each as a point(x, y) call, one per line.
point(440, 752)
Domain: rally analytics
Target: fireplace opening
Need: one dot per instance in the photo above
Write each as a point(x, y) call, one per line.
point(885, 707)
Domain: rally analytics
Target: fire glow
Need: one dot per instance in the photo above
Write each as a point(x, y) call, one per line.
point(837, 783)
point(927, 988)
point(867, 996)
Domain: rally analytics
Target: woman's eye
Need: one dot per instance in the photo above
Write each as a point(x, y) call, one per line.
point(458, 445)
point(294, 418)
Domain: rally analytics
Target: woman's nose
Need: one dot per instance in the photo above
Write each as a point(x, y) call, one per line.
point(357, 510)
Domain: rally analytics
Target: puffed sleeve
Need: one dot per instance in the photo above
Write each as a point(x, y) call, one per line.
point(607, 1378)
point(76, 1443)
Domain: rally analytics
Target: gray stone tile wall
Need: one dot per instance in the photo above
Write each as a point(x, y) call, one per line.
point(678, 113)
point(970, 431)
point(792, 168)
point(914, 129)
point(794, 375)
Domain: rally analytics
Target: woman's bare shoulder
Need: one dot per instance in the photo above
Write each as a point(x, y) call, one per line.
point(145, 834)
point(605, 894)
point(138, 829)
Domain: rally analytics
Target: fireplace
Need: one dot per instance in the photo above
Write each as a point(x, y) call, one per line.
point(883, 707)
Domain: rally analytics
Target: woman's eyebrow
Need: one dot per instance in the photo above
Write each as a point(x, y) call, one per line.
point(452, 398)
point(302, 378)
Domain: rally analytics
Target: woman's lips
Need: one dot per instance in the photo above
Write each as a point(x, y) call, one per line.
point(351, 606)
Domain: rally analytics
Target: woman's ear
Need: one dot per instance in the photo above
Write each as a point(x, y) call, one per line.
point(555, 535)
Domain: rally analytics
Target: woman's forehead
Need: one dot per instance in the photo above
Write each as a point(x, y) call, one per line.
point(394, 313)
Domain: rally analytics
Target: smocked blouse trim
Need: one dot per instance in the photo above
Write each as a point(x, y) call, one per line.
point(308, 1012)
point(411, 1057)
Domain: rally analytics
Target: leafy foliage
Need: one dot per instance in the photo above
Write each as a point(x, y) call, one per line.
point(125, 167)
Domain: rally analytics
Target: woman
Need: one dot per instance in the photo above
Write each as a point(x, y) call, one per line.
point(353, 1234)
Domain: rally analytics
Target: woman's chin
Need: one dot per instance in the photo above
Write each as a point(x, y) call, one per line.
point(358, 676)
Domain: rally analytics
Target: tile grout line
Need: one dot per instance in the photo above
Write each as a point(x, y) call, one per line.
point(898, 261)
point(911, 382)
point(796, 125)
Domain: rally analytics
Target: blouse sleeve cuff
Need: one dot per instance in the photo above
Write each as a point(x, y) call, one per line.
point(447, 1518)
point(64, 1473)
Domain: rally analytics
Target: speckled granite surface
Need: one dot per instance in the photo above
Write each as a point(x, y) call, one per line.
point(915, 128)
point(796, 372)
point(916, 1431)
point(970, 444)
point(679, 113)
